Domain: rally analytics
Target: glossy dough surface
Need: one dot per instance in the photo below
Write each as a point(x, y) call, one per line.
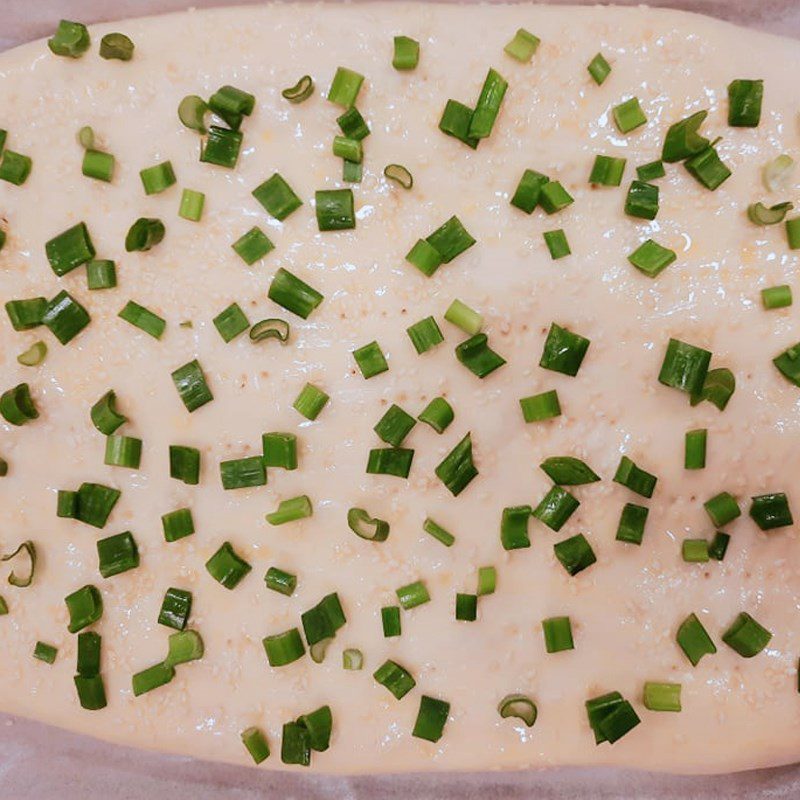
point(625, 609)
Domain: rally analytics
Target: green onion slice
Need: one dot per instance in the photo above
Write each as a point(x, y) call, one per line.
point(256, 743)
point(272, 328)
point(759, 214)
point(438, 532)
point(514, 527)
point(777, 173)
point(746, 636)
point(399, 174)
point(301, 91)
point(457, 470)
point(431, 719)
point(352, 659)
point(397, 679)
point(116, 46)
point(519, 706)
point(694, 640)
point(227, 567)
point(662, 696)
point(17, 406)
point(71, 39)
point(683, 140)
point(284, 648)
point(34, 355)
point(568, 471)
point(476, 355)
point(192, 112)
point(291, 510)
point(718, 388)
point(770, 511)
point(24, 580)
point(438, 414)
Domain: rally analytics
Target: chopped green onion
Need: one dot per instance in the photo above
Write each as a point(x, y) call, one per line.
point(84, 606)
point(390, 620)
point(514, 527)
point(310, 401)
point(598, 709)
point(629, 115)
point(568, 471)
point(22, 581)
point(450, 240)
point(431, 719)
point(642, 200)
point(17, 406)
point(45, 652)
point(123, 451)
point(457, 469)
point(345, 87)
point(190, 383)
point(91, 692)
point(793, 233)
point(353, 126)
point(295, 745)
point(406, 53)
point(540, 407)
point(335, 209)
point(722, 509)
point(776, 173)
point(651, 171)
point(184, 464)
point(3, 607)
point(695, 443)
point(349, 149)
point(523, 46)
point(455, 122)
point(67, 504)
point(71, 39)
point(256, 743)
point(744, 103)
point(88, 665)
point(231, 104)
point(462, 316)
point(26, 314)
point(144, 319)
point(117, 554)
point(291, 510)
point(93, 503)
point(425, 335)
point(776, 297)
point(116, 46)
point(144, 235)
point(280, 450)
point(319, 725)
point(487, 580)
point(157, 178)
point(101, 274)
point(631, 523)
point(529, 189)
point(684, 367)
point(788, 364)
point(301, 91)
point(607, 170)
point(770, 511)
point(70, 249)
point(718, 388)
point(707, 168)
point(352, 659)
point(399, 174)
point(222, 147)
point(557, 634)
point(284, 648)
point(613, 722)
point(177, 524)
point(563, 351)
point(191, 206)
point(394, 461)
point(412, 595)
point(555, 508)
point(395, 678)
point(98, 165)
point(488, 106)
point(231, 322)
point(280, 581)
point(557, 244)
point(184, 646)
point(694, 551)
point(192, 112)
point(65, 317)
point(266, 329)
point(719, 546)
point(227, 567)
point(476, 355)
point(438, 532)
point(424, 257)
point(466, 607)
point(370, 359)
point(293, 294)
point(253, 245)
point(277, 197)
point(242, 473)
point(86, 137)
point(683, 140)
point(15, 168)
point(554, 197)
point(746, 636)
point(321, 622)
point(152, 678)
point(519, 706)
point(352, 172)
point(438, 414)
point(694, 640)
point(394, 426)
point(599, 69)
point(635, 478)
point(759, 214)
point(575, 554)
point(34, 355)
point(175, 608)
point(662, 696)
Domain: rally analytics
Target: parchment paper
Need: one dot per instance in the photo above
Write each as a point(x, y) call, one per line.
point(38, 762)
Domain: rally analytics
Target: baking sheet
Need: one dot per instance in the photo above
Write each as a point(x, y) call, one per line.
point(40, 762)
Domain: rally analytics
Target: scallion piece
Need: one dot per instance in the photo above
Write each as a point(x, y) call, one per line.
point(519, 706)
point(450, 240)
point(406, 53)
point(175, 608)
point(476, 355)
point(431, 718)
point(91, 692)
point(349, 149)
point(3, 607)
point(177, 524)
point(770, 511)
point(631, 524)
point(598, 709)
point(190, 383)
point(746, 636)
point(557, 634)
point(144, 235)
point(242, 473)
point(412, 595)
point(514, 527)
point(320, 624)
point(557, 244)
point(634, 478)
point(523, 46)
point(184, 464)
point(67, 504)
point(642, 200)
point(353, 126)
point(694, 551)
point(84, 606)
point(319, 725)
point(295, 744)
point(157, 178)
point(719, 546)
point(629, 116)
point(394, 426)
point(227, 567)
point(34, 355)
point(310, 401)
point(793, 233)
point(277, 197)
point(744, 103)
point(438, 532)
point(777, 173)
point(759, 214)
point(152, 678)
point(695, 443)
point(284, 648)
point(390, 621)
point(487, 580)
point(117, 554)
point(94, 503)
point(65, 317)
point(488, 106)
point(555, 508)
point(231, 104)
point(462, 316)
point(466, 607)
point(253, 245)
point(425, 257)
point(352, 659)
point(575, 554)
point(455, 121)
point(86, 137)
point(15, 168)
point(683, 140)
point(526, 196)
point(280, 450)
point(71, 39)
point(45, 652)
point(26, 579)
point(291, 510)
point(301, 91)
point(684, 367)
point(293, 294)
point(395, 678)
point(231, 322)
point(776, 297)
point(26, 314)
point(394, 461)
point(457, 470)
point(367, 527)
point(563, 351)
point(438, 414)
point(707, 168)
point(17, 406)
point(722, 509)
point(191, 207)
point(101, 274)
point(554, 197)
point(88, 661)
point(144, 319)
point(651, 171)
point(425, 335)
point(540, 407)
point(256, 743)
point(694, 640)
point(98, 165)
point(280, 581)
point(568, 471)
point(192, 112)
point(116, 46)
point(788, 364)
point(607, 171)
point(222, 147)
point(272, 328)
point(345, 87)
point(123, 451)
point(335, 209)
point(70, 249)
point(599, 69)
point(662, 696)
point(352, 172)
point(370, 359)
point(718, 388)
point(399, 174)
point(183, 647)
